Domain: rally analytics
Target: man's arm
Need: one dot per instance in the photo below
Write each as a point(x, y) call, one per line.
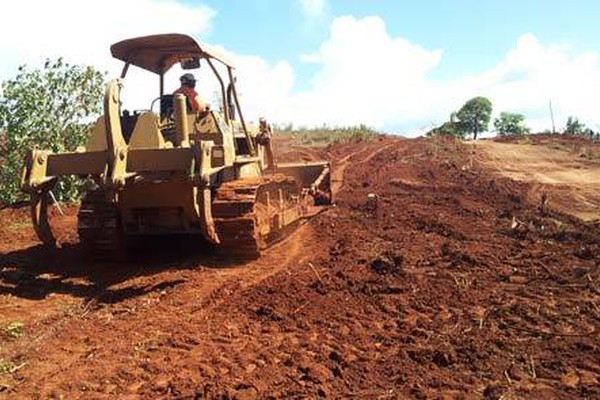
point(200, 104)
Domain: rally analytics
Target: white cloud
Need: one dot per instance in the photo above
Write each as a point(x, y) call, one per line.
point(363, 74)
point(528, 77)
point(264, 89)
point(367, 76)
point(532, 74)
point(82, 32)
point(313, 8)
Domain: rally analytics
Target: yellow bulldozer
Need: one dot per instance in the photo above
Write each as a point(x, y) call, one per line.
point(176, 171)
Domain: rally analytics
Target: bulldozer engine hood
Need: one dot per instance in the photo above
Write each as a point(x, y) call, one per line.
point(158, 53)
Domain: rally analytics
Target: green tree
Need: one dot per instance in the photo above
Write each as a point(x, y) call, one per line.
point(510, 124)
point(474, 116)
point(574, 127)
point(449, 128)
point(49, 108)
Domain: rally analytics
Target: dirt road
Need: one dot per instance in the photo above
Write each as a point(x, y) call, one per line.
point(568, 172)
point(414, 286)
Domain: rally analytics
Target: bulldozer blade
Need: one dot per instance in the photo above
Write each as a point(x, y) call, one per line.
point(39, 216)
point(314, 176)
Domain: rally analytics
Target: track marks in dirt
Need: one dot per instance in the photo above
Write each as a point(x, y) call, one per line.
point(166, 318)
point(424, 292)
point(360, 156)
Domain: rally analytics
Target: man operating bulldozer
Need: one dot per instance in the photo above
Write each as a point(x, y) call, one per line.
point(188, 88)
point(180, 170)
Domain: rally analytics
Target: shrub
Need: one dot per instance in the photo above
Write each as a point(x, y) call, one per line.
point(48, 108)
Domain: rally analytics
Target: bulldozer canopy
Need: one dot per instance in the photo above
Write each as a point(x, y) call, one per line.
point(158, 53)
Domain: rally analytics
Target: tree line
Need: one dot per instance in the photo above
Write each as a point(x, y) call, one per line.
point(474, 118)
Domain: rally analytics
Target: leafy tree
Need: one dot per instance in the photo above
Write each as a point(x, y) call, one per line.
point(511, 124)
point(448, 128)
point(474, 116)
point(574, 127)
point(49, 108)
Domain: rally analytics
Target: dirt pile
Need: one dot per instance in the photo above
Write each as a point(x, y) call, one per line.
point(431, 278)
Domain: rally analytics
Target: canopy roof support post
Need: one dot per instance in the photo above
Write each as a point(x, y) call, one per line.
point(242, 121)
point(162, 85)
point(124, 70)
point(223, 99)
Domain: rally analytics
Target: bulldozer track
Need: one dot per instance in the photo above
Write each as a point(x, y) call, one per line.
point(98, 226)
point(249, 215)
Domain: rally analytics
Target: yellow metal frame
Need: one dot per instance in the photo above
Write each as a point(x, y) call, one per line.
point(162, 172)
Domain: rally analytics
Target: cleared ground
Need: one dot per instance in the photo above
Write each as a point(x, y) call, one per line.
point(568, 171)
point(435, 276)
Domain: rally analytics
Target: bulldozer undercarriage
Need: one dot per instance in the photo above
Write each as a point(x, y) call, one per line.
point(248, 216)
point(99, 227)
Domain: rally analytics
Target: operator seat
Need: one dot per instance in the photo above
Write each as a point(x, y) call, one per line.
point(167, 107)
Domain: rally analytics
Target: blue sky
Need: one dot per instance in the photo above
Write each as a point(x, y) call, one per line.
point(474, 34)
point(398, 66)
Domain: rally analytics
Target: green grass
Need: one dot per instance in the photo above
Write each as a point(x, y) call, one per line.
point(6, 367)
point(325, 135)
point(13, 330)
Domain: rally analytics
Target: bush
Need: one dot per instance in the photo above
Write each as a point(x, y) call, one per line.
point(448, 128)
point(49, 108)
point(323, 136)
point(574, 127)
point(510, 124)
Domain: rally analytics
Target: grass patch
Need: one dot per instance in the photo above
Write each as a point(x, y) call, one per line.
point(559, 146)
point(525, 139)
point(324, 136)
point(6, 367)
point(13, 330)
point(589, 152)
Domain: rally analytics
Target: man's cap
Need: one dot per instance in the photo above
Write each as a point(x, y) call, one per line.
point(187, 78)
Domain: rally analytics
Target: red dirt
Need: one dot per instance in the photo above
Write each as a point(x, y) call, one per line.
point(413, 286)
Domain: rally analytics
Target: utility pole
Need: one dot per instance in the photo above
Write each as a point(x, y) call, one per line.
point(552, 116)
